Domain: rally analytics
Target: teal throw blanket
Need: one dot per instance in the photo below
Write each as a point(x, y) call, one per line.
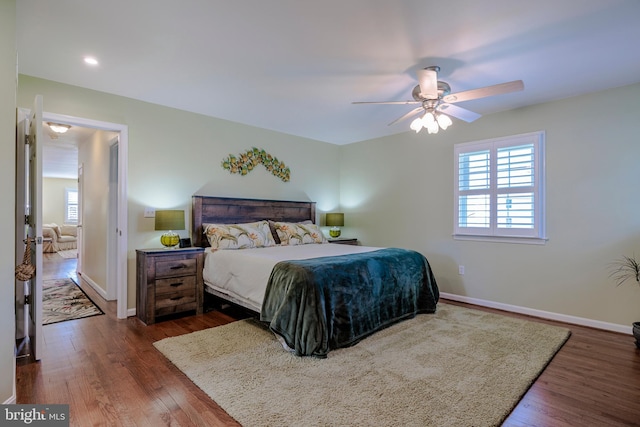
point(321, 304)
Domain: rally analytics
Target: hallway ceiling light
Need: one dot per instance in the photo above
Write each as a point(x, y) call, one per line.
point(58, 127)
point(90, 60)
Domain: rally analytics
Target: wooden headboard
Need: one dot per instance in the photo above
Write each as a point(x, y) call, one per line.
point(224, 210)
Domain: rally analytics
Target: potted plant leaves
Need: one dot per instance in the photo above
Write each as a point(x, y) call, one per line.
point(622, 270)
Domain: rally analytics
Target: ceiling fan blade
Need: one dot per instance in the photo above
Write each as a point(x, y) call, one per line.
point(406, 116)
point(459, 112)
point(387, 102)
point(428, 80)
point(499, 89)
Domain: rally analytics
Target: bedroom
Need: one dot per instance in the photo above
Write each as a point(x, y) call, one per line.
point(591, 170)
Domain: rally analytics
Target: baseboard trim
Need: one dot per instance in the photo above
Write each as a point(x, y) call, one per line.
point(131, 312)
point(94, 285)
point(582, 321)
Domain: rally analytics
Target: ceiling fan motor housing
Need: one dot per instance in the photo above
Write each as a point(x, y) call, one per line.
point(443, 90)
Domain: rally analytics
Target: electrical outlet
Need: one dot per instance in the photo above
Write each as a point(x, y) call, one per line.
point(149, 213)
point(461, 270)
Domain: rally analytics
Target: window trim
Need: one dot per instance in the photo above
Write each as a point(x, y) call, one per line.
point(536, 235)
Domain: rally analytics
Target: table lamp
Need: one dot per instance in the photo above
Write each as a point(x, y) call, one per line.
point(335, 220)
point(170, 220)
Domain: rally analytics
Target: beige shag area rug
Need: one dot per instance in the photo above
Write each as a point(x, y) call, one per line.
point(70, 253)
point(458, 367)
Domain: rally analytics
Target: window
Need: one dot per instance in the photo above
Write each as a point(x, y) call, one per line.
point(70, 206)
point(499, 189)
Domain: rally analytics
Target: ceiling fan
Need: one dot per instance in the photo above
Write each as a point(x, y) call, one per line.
point(435, 98)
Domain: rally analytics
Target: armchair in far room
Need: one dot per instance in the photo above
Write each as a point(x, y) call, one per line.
point(59, 237)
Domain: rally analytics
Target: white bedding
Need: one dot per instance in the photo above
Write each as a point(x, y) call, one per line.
point(242, 274)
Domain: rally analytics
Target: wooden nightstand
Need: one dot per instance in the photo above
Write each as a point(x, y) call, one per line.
point(168, 281)
point(344, 241)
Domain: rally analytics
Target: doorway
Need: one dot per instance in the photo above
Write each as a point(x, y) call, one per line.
point(115, 223)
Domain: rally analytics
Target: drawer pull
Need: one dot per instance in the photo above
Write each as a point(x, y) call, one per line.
point(175, 298)
point(175, 285)
point(178, 267)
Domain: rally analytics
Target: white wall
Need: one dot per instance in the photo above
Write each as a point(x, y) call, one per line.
point(93, 154)
point(53, 199)
point(398, 191)
point(7, 213)
point(174, 154)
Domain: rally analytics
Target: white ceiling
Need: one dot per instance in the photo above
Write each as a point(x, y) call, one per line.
point(60, 151)
point(295, 66)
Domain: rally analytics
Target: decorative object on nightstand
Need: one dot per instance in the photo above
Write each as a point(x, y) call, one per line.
point(168, 282)
point(170, 220)
point(335, 220)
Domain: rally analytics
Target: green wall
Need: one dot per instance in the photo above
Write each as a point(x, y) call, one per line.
point(7, 213)
point(174, 154)
point(398, 191)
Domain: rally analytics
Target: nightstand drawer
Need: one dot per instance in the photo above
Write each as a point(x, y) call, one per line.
point(175, 298)
point(175, 284)
point(171, 268)
point(176, 308)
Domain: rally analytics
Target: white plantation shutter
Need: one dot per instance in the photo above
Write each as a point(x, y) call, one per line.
point(515, 180)
point(71, 206)
point(499, 188)
point(474, 185)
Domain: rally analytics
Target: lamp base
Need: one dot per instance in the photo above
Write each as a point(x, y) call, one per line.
point(334, 232)
point(170, 239)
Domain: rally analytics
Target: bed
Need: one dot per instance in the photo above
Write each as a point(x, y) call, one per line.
point(315, 296)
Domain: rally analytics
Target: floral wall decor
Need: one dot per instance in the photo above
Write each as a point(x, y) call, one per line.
point(247, 161)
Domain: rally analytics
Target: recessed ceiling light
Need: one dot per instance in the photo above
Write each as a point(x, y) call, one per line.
point(90, 60)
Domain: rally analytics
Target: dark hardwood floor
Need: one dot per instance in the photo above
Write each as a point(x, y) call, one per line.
point(110, 374)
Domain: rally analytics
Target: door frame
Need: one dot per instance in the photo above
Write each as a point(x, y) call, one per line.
point(121, 235)
point(112, 223)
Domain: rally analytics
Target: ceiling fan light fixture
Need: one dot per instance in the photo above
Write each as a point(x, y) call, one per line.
point(435, 96)
point(428, 119)
point(416, 125)
point(444, 121)
point(58, 127)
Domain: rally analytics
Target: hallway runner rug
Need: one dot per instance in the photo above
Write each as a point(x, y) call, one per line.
point(63, 299)
point(457, 367)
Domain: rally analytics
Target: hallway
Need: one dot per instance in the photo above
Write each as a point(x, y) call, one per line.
point(56, 267)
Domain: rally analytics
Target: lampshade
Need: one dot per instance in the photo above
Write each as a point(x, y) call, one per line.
point(335, 219)
point(170, 220)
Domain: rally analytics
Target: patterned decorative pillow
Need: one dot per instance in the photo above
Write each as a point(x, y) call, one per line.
point(239, 236)
point(298, 233)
